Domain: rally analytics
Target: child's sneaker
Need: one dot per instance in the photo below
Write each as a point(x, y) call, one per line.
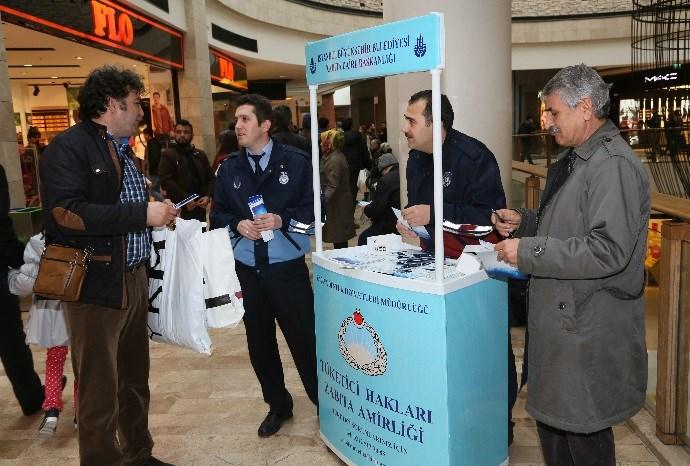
point(49, 424)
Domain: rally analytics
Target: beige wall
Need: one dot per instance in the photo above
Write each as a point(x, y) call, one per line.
point(301, 18)
point(196, 104)
point(9, 156)
point(555, 44)
point(477, 78)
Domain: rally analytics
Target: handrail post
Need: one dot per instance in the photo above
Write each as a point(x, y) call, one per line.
point(674, 333)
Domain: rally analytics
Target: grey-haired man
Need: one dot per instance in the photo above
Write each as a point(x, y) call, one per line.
point(584, 248)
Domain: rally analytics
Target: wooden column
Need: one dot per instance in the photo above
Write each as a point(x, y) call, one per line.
point(674, 333)
point(532, 186)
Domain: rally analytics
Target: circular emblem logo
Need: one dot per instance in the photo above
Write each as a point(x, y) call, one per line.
point(360, 345)
point(447, 178)
point(284, 178)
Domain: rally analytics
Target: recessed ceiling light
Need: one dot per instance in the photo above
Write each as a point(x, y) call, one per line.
point(79, 58)
point(282, 76)
point(53, 77)
point(134, 66)
point(28, 65)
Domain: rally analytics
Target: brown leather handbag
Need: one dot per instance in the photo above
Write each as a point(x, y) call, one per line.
point(61, 272)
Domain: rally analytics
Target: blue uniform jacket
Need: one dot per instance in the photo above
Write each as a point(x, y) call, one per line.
point(286, 186)
point(471, 182)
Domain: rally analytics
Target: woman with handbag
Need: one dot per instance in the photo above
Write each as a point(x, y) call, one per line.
point(45, 328)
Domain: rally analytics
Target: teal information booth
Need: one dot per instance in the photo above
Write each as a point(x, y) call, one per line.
point(411, 371)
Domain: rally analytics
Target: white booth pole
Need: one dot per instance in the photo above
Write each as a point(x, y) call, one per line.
point(438, 171)
point(316, 181)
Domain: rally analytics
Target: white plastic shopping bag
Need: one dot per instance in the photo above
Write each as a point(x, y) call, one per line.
point(222, 290)
point(177, 312)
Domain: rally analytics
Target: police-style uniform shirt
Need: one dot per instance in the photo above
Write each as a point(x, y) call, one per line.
point(285, 182)
point(471, 182)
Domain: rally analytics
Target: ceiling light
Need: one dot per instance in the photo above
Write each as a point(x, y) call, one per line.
point(36, 91)
point(134, 66)
point(79, 58)
point(53, 77)
point(282, 76)
point(28, 65)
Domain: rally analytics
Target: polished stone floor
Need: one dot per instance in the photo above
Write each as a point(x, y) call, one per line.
point(205, 411)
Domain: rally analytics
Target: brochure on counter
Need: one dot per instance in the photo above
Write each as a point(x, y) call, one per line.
point(389, 255)
point(404, 263)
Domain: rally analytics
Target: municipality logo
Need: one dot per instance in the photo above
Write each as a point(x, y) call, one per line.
point(360, 345)
point(447, 179)
point(312, 66)
point(420, 47)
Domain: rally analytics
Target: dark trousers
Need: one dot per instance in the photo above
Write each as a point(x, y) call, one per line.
point(16, 355)
point(562, 448)
point(354, 190)
point(110, 358)
point(279, 292)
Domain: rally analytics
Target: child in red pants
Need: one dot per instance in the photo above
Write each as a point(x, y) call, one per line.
point(46, 328)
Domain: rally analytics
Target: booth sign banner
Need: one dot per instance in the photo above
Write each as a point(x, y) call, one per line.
point(381, 390)
point(406, 46)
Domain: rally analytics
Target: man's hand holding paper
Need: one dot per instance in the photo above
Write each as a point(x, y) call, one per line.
point(269, 221)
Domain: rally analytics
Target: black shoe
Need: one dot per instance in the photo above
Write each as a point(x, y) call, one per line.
point(152, 461)
point(275, 418)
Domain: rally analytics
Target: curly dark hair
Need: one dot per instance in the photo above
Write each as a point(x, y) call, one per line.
point(103, 83)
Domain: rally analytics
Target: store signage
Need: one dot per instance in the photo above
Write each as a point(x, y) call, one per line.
point(661, 77)
point(103, 24)
point(415, 44)
point(117, 25)
point(226, 71)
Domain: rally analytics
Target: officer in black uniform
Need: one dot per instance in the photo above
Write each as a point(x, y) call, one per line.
point(273, 274)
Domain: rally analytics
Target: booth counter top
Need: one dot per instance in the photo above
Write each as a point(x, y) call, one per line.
point(420, 285)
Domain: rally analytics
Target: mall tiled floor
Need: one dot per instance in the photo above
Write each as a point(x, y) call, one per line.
point(205, 411)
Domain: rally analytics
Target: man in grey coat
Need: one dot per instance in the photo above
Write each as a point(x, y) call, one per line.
point(584, 249)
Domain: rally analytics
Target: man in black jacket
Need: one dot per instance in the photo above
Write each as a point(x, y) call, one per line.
point(471, 179)
point(185, 170)
point(385, 195)
point(14, 352)
point(355, 150)
point(94, 198)
point(280, 129)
